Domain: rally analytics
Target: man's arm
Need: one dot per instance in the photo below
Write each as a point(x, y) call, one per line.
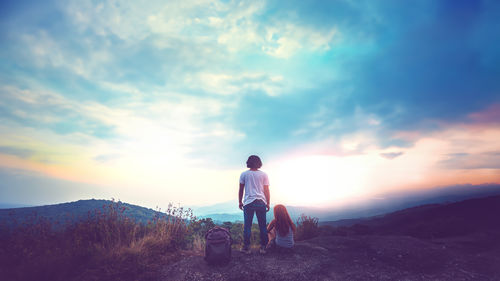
point(268, 197)
point(240, 195)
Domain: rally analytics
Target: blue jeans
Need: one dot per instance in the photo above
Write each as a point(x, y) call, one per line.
point(259, 208)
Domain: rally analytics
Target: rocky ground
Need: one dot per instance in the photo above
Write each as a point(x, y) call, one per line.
point(371, 257)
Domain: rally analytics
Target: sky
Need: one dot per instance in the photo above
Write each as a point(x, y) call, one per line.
point(152, 102)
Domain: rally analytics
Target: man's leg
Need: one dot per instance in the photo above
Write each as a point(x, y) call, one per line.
point(248, 212)
point(261, 218)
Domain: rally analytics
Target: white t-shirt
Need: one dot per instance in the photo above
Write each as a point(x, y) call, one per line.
point(254, 182)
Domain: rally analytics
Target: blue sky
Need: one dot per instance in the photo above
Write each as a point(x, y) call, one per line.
point(163, 99)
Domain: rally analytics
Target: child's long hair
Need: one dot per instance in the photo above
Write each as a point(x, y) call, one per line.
point(283, 220)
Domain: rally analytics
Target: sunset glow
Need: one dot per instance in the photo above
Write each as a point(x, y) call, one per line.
point(323, 179)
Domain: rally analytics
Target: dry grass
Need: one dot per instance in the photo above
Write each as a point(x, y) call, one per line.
point(307, 227)
point(107, 245)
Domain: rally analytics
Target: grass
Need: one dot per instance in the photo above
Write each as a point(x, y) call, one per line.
point(106, 245)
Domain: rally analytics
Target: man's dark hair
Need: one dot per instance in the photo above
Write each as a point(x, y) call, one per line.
point(254, 162)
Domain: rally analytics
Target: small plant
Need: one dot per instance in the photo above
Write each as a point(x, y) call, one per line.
point(198, 243)
point(307, 227)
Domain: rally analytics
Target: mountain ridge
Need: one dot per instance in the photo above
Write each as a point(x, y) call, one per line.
point(345, 216)
point(363, 209)
point(71, 211)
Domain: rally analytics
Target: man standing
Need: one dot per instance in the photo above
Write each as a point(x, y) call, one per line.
point(255, 185)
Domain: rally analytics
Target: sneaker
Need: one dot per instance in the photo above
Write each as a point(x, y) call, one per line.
point(245, 250)
point(262, 250)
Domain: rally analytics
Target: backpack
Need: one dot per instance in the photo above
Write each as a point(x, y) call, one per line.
point(218, 245)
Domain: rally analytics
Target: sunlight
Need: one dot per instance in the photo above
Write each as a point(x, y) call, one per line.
point(317, 179)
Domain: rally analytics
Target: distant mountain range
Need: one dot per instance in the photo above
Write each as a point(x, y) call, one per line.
point(228, 211)
point(385, 203)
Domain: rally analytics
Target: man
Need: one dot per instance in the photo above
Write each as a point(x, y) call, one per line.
point(254, 184)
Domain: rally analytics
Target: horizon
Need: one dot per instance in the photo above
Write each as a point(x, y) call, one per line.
point(163, 103)
point(419, 197)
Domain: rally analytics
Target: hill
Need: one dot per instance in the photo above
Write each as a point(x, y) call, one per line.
point(434, 220)
point(12, 205)
point(457, 241)
point(72, 211)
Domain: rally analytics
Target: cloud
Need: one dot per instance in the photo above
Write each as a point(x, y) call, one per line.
point(482, 160)
point(227, 84)
point(391, 155)
point(238, 26)
point(176, 125)
point(35, 108)
point(489, 116)
point(19, 152)
point(46, 50)
point(105, 158)
point(284, 41)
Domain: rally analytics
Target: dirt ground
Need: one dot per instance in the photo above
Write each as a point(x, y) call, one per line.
point(355, 258)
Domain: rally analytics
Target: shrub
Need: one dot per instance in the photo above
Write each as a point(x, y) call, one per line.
point(307, 227)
